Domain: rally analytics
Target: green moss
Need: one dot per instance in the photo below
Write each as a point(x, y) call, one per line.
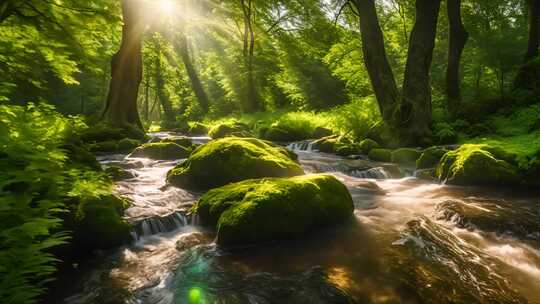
point(326, 144)
point(99, 223)
point(383, 134)
point(161, 150)
point(382, 155)
point(321, 132)
point(78, 154)
point(198, 128)
point(367, 145)
point(233, 159)
point(275, 208)
point(183, 141)
point(430, 158)
point(230, 129)
point(284, 133)
point(477, 165)
point(105, 132)
point(128, 144)
point(405, 156)
point(104, 146)
point(340, 145)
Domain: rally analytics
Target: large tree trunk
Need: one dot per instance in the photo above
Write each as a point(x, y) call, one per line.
point(163, 96)
point(415, 109)
point(196, 84)
point(458, 38)
point(252, 101)
point(534, 29)
point(126, 71)
point(375, 59)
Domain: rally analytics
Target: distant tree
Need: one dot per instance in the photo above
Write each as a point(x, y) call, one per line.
point(534, 29)
point(458, 37)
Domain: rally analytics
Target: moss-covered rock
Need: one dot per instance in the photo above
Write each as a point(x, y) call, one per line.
point(321, 132)
point(183, 141)
point(233, 159)
point(117, 173)
point(326, 144)
point(97, 223)
point(198, 129)
point(406, 156)
point(284, 133)
point(367, 145)
point(477, 165)
point(161, 150)
point(128, 144)
point(105, 132)
point(340, 145)
point(230, 129)
point(382, 155)
point(430, 158)
point(275, 208)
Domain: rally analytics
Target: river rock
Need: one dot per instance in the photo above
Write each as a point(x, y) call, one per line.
point(430, 158)
point(161, 150)
point(183, 141)
point(406, 156)
point(381, 155)
point(117, 173)
point(274, 208)
point(478, 165)
point(198, 129)
point(230, 129)
point(367, 145)
point(233, 159)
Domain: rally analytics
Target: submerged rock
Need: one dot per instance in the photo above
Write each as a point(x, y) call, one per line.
point(382, 155)
point(478, 165)
point(230, 129)
point(161, 150)
point(274, 208)
point(518, 220)
point(430, 158)
point(117, 173)
point(406, 156)
point(233, 159)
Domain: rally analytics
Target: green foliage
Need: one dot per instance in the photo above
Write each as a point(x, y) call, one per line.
point(275, 208)
point(37, 183)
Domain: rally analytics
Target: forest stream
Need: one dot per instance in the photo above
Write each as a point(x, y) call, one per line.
point(411, 241)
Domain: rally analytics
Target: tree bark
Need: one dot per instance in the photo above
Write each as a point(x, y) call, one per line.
point(534, 29)
point(375, 59)
point(458, 37)
point(196, 84)
point(415, 115)
point(126, 71)
point(252, 101)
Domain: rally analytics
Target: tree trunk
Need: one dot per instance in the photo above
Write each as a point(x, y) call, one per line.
point(161, 92)
point(415, 109)
point(534, 29)
point(126, 71)
point(458, 38)
point(252, 100)
point(196, 84)
point(146, 96)
point(375, 59)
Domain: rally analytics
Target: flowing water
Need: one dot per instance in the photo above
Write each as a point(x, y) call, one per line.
point(410, 241)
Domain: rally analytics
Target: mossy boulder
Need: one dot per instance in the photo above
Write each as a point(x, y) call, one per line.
point(183, 141)
point(367, 145)
point(233, 159)
point(128, 144)
point(117, 173)
point(198, 129)
point(274, 208)
point(284, 133)
point(161, 150)
point(97, 222)
point(326, 144)
point(340, 145)
point(230, 129)
point(406, 156)
point(478, 165)
point(105, 132)
point(381, 155)
point(321, 132)
point(430, 158)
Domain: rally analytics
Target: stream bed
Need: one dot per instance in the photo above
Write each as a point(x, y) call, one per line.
point(410, 241)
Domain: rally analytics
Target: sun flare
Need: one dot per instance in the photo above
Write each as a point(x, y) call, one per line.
point(166, 7)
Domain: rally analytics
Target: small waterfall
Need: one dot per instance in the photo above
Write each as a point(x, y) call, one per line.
point(306, 145)
point(373, 173)
point(155, 225)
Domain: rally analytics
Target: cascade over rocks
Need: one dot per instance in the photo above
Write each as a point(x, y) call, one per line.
point(478, 165)
point(274, 208)
point(233, 159)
